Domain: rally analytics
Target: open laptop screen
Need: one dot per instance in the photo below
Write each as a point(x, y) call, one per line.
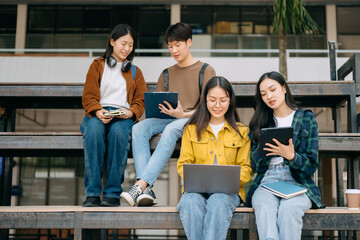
point(203, 178)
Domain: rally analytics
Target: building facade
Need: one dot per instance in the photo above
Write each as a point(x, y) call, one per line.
point(85, 24)
point(226, 24)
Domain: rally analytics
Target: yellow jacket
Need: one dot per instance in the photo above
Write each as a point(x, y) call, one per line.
point(231, 149)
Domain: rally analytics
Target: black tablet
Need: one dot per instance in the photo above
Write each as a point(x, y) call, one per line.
point(153, 99)
point(282, 134)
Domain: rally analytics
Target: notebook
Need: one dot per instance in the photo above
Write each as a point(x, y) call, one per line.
point(282, 134)
point(202, 178)
point(153, 99)
point(115, 113)
point(283, 189)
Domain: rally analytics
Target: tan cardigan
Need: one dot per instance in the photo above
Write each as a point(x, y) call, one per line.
point(135, 89)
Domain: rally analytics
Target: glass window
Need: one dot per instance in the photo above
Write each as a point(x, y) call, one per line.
point(68, 40)
point(92, 40)
point(7, 40)
point(257, 15)
point(348, 19)
point(51, 181)
point(255, 20)
point(55, 26)
point(152, 23)
point(226, 19)
point(349, 42)
point(153, 19)
point(33, 191)
point(69, 19)
point(125, 14)
point(200, 18)
point(8, 18)
point(40, 41)
point(275, 41)
point(97, 19)
point(226, 13)
point(318, 14)
point(254, 42)
point(8, 15)
point(225, 41)
point(312, 42)
point(41, 19)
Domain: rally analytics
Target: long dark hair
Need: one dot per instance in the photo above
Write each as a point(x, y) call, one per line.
point(264, 116)
point(117, 32)
point(201, 117)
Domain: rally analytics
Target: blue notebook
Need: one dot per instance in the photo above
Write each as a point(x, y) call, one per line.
point(283, 189)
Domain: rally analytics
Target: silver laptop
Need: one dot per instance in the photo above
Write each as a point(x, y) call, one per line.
point(202, 178)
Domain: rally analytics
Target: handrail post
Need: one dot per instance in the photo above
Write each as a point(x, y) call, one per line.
point(332, 56)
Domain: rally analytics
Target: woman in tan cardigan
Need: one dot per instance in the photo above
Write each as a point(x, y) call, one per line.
point(112, 84)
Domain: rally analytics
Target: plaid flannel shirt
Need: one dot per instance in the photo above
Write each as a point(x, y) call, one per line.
point(305, 163)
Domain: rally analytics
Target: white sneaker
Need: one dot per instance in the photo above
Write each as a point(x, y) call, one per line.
point(147, 198)
point(131, 196)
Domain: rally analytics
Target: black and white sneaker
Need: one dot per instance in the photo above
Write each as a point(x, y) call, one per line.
point(148, 198)
point(131, 196)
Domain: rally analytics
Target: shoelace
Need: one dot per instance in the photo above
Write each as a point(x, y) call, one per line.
point(135, 191)
point(150, 192)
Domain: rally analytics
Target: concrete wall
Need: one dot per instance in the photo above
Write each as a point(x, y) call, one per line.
point(74, 69)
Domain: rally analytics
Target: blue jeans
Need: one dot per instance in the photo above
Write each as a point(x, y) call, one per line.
point(278, 218)
point(207, 216)
point(100, 140)
point(147, 166)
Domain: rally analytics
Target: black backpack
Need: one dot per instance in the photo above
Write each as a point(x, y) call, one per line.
point(201, 77)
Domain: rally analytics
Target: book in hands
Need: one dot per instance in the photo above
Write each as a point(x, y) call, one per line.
point(115, 113)
point(283, 189)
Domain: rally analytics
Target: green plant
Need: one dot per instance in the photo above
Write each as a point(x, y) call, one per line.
point(291, 17)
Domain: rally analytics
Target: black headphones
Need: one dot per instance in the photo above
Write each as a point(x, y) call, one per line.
point(125, 66)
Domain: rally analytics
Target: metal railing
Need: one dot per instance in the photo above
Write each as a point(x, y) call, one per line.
point(91, 52)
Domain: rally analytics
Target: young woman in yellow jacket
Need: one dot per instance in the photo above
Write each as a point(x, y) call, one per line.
point(213, 135)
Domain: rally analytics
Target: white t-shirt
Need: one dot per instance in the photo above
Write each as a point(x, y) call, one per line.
point(113, 88)
point(216, 129)
point(282, 122)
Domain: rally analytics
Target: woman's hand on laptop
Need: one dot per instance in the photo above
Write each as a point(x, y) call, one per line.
point(178, 112)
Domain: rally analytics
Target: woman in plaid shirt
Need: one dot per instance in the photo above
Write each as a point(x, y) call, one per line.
point(278, 218)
